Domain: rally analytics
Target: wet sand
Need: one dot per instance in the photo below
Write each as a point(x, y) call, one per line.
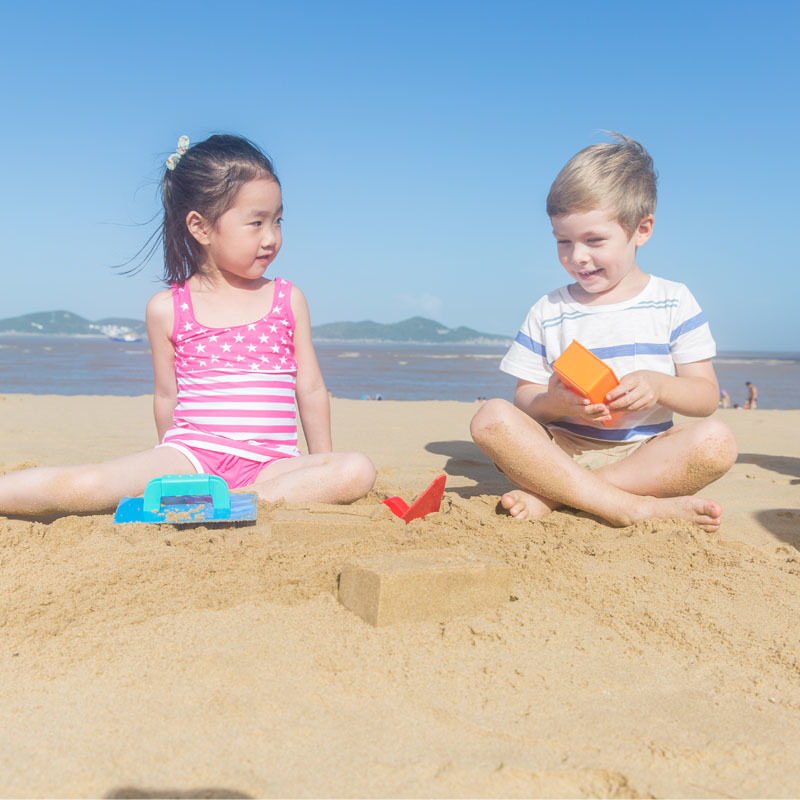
point(649, 661)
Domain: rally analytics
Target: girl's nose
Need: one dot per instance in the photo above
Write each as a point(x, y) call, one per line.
point(268, 237)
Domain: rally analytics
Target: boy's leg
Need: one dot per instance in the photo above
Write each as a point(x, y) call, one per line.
point(87, 487)
point(521, 447)
point(680, 461)
point(320, 478)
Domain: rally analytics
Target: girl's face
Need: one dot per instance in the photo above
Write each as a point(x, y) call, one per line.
point(247, 237)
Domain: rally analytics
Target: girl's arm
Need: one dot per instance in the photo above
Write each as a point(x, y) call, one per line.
point(312, 396)
point(159, 317)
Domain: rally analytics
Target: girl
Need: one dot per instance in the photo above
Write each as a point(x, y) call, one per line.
point(232, 355)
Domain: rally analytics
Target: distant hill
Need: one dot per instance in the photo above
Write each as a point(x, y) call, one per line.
point(416, 329)
point(65, 323)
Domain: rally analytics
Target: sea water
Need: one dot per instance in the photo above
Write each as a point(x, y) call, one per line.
point(91, 365)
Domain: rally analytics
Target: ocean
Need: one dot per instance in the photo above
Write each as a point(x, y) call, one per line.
point(88, 365)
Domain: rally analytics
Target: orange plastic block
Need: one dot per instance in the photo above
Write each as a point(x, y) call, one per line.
point(585, 373)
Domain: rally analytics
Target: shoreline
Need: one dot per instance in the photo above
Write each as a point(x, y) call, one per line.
point(370, 400)
point(728, 356)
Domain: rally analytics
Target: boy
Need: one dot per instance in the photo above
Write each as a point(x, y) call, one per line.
point(552, 442)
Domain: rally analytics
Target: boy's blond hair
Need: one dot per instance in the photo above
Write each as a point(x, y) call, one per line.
point(618, 175)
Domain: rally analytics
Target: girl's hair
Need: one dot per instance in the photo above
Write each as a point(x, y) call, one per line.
point(617, 175)
point(206, 179)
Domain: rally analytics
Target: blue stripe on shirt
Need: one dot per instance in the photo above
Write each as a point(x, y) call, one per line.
point(526, 341)
point(549, 323)
point(614, 434)
point(645, 305)
point(668, 303)
point(635, 349)
point(690, 324)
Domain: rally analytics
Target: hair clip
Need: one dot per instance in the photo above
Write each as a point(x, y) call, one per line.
point(183, 146)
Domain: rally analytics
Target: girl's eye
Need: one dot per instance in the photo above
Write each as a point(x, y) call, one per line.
point(257, 223)
point(279, 221)
point(562, 241)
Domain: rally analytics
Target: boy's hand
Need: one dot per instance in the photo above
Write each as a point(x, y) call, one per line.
point(637, 391)
point(572, 404)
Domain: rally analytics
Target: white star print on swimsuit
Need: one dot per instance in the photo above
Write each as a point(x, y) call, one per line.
point(236, 386)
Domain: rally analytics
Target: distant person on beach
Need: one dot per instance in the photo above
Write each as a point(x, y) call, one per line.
point(552, 442)
point(232, 355)
point(724, 399)
point(752, 396)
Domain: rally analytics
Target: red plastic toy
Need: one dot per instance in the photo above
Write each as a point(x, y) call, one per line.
point(427, 503)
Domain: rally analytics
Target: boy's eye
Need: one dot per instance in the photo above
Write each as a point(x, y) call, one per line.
point(257, 223)
point(562, 241)
point(279, 221)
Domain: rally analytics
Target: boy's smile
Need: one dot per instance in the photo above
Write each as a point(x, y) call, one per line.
point(598, 253)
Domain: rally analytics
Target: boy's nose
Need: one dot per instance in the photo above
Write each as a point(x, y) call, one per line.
point(580, 254)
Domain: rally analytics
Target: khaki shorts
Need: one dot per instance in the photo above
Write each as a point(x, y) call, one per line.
point(593, 453)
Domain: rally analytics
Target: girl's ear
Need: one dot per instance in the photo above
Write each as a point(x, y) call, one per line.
point(198, 227)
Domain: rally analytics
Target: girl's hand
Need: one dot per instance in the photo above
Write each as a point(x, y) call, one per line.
point(572, 404)
point(637, 391)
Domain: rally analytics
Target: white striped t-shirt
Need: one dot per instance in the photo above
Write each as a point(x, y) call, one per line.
point(660, 327)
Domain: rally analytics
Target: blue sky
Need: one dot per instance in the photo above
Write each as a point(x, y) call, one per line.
point(416, 142)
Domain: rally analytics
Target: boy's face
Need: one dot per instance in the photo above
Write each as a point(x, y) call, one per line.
point(598, 253)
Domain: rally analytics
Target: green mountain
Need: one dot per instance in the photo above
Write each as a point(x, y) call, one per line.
point(416, 329)
point(65, 323)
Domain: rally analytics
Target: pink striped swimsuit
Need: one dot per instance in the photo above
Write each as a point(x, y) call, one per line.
point(236, 390)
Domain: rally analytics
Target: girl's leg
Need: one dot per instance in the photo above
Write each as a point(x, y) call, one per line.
point(321, 478)
point(521, 447)
point(87, 487)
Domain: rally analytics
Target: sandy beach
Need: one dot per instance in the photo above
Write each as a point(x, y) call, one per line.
point(649, 661)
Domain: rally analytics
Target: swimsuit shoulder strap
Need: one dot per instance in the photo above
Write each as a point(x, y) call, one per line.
point(182, 304)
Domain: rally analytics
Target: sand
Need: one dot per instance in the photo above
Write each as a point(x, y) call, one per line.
point(649, 661)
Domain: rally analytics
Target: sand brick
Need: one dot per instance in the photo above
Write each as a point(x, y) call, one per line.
point(422, 585)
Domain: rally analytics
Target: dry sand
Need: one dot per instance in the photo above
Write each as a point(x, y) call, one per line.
point(650, 661)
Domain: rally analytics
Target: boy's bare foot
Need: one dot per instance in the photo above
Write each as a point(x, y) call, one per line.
point(705, 513)
point(524, 505)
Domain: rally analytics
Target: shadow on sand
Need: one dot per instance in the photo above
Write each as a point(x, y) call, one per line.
point(784, 465)
point(783, 523)
point(467, 461)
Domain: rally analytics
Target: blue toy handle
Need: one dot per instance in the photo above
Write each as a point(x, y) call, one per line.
point(180, 485)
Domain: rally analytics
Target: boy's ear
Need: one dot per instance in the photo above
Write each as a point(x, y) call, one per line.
point(644, 230)
point(198, 227)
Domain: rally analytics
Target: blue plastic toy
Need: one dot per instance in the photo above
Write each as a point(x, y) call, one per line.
point(187, 499)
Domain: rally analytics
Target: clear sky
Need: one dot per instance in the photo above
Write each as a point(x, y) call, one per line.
point(416, 143)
